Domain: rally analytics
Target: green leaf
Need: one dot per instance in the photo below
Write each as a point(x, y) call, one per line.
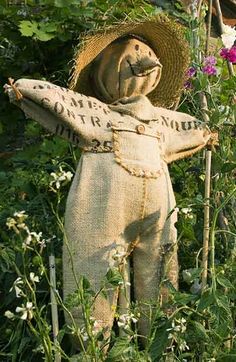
point(43, 36)
point(223, 330)
point(228, 167)
point(183, 298)
point(189, 275)
point(200, 330)
point(160, 342)
point(121, 347)
point(48, 27)
point(28, 28)
point(114, 277)
point(61, 3)
point(224, 303)
point(222, 280)
point(206, 300)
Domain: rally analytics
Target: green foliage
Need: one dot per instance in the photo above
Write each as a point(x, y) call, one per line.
point(37, 40)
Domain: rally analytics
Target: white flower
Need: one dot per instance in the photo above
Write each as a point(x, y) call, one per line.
point(11, 222)
point(84, 334)
point(21, 13)
point(21, 215)
point(183, 346)
point(228, 36)
point(34, 278)
point(186, 210)
point(26, 311)
point(97, 326)
point(117, 255)
point(35, 238)
point(61, 178)
point(177, 325)
point(125, 319)
point(18, 221)
point(9, 314)
point(17, 287)
point(22, 226)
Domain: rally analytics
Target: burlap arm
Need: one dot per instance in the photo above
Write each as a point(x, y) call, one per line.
point(184, 134)
point(73, 116)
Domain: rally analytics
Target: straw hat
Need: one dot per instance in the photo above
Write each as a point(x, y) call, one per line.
point(164, 36)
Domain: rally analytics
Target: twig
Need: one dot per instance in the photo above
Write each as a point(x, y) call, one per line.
point(18, 94)
point(199, 8)
point(208, 29)
point(221, 27)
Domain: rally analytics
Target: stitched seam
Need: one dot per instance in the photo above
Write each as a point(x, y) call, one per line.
point(134, 171)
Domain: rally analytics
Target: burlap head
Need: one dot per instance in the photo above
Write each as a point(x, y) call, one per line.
point(166, 38)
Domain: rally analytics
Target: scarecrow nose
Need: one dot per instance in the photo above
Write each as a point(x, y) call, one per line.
point(145, 66)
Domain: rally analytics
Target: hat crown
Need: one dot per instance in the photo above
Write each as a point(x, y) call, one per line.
point(165, 36)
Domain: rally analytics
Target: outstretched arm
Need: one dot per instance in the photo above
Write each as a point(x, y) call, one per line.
point(184, 135)
point(73, 116)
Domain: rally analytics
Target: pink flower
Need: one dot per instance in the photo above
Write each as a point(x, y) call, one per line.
point(209, 70)
point(232, 55)
point(224, 53)
point(210, 60)
point(229, 54)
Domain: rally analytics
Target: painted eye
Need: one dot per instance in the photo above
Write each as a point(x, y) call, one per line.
point(136, 47)
point(150, 54)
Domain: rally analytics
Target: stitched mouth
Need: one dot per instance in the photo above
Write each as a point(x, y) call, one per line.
point(141, 70)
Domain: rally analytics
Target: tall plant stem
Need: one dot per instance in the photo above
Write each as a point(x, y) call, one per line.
point(204, 107)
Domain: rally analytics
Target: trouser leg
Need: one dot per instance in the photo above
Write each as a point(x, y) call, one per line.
point(91, 262)
point(154, 258)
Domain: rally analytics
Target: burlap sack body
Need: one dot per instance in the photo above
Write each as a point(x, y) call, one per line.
point(121, 192)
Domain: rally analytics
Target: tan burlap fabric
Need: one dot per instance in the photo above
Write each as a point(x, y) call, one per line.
point(121, 193)
point(124, 69)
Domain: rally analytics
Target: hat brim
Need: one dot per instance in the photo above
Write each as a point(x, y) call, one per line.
point(165, 37)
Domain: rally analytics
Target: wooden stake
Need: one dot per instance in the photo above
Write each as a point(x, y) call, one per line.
point(206, 229)
point(208, 155)
point(54, 311)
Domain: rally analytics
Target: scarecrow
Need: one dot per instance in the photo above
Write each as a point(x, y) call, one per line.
point(118, 111)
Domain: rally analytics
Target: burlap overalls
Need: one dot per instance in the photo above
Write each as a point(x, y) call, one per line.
point(121, 194)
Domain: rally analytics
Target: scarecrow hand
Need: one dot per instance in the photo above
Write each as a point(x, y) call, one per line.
point(12, 91)
point(214, 139)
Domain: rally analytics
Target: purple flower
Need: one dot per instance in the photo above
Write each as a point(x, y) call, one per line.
point(188, 85)
point(210, 60)
point(191, 72)
point(229, 54)
point(209, 70)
